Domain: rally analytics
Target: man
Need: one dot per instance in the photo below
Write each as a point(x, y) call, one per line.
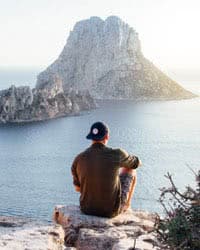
point(105, 191)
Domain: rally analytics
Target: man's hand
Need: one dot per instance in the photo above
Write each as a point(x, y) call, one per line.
point(77, 188)
point(130, 171)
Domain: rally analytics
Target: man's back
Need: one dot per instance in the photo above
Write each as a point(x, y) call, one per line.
point(96, 172)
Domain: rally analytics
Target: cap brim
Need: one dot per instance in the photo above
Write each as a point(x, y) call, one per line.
point(92, 137)
point(89, 137)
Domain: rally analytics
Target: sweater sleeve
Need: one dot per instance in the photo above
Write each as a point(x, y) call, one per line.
point(127, 161)
point(74, 172)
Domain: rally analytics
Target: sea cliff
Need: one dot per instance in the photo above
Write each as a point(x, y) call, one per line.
point(105, 57)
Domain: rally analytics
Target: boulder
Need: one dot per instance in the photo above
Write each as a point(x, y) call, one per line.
point(129, 230)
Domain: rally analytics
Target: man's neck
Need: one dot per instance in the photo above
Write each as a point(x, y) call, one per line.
point(102, 142)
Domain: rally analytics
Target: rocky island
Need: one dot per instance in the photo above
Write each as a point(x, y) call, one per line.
point(101, 60)
point(105, 57)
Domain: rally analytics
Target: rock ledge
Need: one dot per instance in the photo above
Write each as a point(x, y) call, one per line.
point(130, 230)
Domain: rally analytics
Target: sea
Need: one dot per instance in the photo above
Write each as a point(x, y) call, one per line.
point(36, 158)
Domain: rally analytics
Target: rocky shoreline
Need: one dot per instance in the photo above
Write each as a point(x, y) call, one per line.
point(17, 233)
point(23, 104)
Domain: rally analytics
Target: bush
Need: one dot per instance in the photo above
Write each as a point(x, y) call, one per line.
point(180, 229)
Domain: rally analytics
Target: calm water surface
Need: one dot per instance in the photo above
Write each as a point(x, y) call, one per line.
point(35, 159)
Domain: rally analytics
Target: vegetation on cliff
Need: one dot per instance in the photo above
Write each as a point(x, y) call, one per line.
point(181, 227)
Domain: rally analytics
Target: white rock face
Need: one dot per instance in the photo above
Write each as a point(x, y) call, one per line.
point(87, 232)
point(105, 57)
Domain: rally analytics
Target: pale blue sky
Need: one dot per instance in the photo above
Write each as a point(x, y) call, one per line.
point(33, 32)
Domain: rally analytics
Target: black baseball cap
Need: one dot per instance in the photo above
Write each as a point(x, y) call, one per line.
point(98, 131)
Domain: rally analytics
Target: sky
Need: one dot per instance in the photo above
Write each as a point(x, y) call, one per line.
point(33, 32)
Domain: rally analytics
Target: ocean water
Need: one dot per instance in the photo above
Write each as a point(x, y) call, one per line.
point(35, 159)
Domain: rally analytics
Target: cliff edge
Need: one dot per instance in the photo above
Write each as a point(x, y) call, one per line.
point(130, 230)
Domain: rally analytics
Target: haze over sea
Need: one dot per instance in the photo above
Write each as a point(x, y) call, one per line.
point(36, 158)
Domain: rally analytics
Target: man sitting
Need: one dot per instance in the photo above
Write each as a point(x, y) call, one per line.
point(105, 177)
